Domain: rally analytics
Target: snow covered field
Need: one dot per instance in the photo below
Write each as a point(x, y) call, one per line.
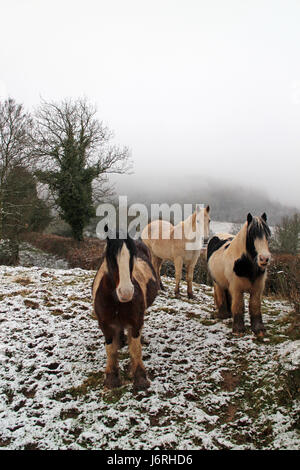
point(209, 390)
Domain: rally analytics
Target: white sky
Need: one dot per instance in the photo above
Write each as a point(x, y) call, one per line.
point(192, 87)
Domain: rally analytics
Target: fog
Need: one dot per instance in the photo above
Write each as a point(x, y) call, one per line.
point(196, 89)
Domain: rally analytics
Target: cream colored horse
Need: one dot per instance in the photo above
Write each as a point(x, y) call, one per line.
point(169, 242)
point(238, 264)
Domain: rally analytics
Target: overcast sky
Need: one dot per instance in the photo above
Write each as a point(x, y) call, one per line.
point(192, 87)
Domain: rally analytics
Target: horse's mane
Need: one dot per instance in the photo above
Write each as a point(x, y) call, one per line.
point(257, 228)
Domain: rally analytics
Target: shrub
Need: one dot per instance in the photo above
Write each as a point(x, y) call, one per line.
point(287, 235)
point(85, 254)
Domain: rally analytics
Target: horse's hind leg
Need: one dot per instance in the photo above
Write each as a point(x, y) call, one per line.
point(189, 279)
point(157, 262)
point(178, 262)
point(222, 301)
point(140, 381)
point(112, 377)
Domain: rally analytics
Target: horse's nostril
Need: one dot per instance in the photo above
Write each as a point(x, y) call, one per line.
point(264, 259)
point(125, 293)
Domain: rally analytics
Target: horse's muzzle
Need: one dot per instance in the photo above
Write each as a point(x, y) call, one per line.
point(263, 260)
point(125, 294)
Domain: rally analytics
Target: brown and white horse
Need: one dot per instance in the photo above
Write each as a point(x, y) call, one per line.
point(238, 264)
point(169, 242)
point(124, 286)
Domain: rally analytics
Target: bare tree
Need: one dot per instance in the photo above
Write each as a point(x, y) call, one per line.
point(15, 147)
point(76, 157)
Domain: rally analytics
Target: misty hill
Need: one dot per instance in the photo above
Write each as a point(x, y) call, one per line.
point(228, 202)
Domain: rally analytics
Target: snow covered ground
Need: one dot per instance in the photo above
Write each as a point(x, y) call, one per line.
point(32, 256)
point(209, 390)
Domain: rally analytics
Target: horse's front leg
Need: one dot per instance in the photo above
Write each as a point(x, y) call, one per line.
point(112, 375)
point(189, 279)
point(178, 262)
point(221, 302)
point(257, 325)
point(140, 381)
point(237, 308)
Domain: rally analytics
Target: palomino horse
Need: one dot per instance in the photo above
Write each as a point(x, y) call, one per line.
point(124, 286)
point(238, 264)
point(169, 242)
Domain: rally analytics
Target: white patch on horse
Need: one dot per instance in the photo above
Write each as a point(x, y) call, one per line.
point(125, 287)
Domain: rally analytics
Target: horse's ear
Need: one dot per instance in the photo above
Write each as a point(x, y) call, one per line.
point(249, 218)
point(264, 217)
point(207, 209)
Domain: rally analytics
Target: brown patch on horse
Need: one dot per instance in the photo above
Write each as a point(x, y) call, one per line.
point(143, 273)
point(114, 314)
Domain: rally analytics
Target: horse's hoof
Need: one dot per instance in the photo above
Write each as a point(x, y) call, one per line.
point(238, 334)
point(258, 329)
point(161, 286)
point(260, 334)
point(177, 295)
point(238, 330)
point(112, 380)
point(140, 381)
point(141, 384)
point(191, 295)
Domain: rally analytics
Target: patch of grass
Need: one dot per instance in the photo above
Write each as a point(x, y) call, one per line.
point(114, 395)
point(70, 413)
point(293, 329)
point(31, 304)
point(24, 281)
point(9, 395)
point(168, 310)
point(290, 387)
point(93, 381)
point(56, 312)
point(22, 293)
point(208, 322)
point(5, 442)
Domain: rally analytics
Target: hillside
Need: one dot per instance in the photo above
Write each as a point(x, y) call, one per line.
point(229, 200)
point(209, 390)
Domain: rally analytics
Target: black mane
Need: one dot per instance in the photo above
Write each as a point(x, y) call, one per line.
point(258, 228)
point(113, 248)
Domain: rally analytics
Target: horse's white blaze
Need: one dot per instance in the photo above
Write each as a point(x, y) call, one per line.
point(196, 229)
point(125, 288)
point(262, 249)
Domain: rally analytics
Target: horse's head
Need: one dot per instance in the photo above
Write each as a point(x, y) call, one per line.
point(120, 254)
point(257, 241)
point(202, 221)
point(206, 224)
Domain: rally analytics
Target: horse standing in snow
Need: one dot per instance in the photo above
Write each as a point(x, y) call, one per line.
point(124, 286)
point(169, 242)
point(238, 264)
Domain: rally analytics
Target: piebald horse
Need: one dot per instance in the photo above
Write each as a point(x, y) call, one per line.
point(238, 264)
point(169, 242)
point(124, 286)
